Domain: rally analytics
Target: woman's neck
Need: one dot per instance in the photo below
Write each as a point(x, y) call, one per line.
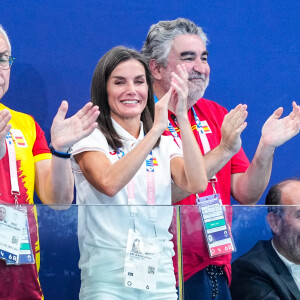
point(131, 125)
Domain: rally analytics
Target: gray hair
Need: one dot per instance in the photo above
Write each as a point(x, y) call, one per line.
point(160, 36)
point(4, 34)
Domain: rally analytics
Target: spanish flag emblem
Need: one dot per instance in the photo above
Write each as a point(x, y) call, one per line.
point(205, 127)
point(155, 162)
point(18, 138)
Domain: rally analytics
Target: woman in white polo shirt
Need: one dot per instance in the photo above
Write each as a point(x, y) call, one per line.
point(123, 172)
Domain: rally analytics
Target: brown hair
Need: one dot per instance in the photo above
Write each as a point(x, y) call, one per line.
point(99, 95)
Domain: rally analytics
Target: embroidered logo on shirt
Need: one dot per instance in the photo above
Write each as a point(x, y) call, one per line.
point(155, 163)
point(205, 127)
point(19, 138)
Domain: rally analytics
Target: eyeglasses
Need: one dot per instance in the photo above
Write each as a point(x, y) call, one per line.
point(6, 62)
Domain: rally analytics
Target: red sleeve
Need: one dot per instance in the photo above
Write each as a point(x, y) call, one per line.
point(239, 162)
point(40, 145)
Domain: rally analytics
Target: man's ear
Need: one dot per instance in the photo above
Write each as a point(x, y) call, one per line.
point(155, 69)
point(274, 221)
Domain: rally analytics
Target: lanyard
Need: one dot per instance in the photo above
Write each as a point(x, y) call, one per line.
point(150, 180)
point(205, 144)
point(175, 135)
point(203, 138)
point(150, 191)
point(202, 134)
point(15, 190)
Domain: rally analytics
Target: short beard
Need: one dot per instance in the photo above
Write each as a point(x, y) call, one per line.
point(196, 92)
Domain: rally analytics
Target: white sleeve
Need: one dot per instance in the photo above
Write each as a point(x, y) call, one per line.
point(172, 147)
point(96, 141)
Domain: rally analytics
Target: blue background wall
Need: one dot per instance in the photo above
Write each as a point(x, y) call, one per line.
point(254, 55)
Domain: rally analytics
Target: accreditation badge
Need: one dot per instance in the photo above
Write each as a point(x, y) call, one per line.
point(217, 231)
point(26, 254)
point(12, 223)
point(15, 245)
point(141, 262)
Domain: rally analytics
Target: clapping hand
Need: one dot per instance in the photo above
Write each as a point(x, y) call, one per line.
point(66, 132)
point(276, 131)
point(5, 117)
point(232, 127)
point(179, 84)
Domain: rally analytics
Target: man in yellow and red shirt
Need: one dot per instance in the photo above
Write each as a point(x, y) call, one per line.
point(49, 174)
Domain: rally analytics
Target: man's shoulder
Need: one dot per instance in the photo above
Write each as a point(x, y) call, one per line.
point(260, 274)
point(16, 114)
point(260, 246)
point(209, 101)
point(203, 104)
point(256, 254)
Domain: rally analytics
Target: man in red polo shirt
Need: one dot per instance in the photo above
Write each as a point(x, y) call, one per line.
point(180, 41)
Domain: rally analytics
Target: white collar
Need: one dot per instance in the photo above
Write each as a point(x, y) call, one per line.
point(292, 267)
point(125, 135)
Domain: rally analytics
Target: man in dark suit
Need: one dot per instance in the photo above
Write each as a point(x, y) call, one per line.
point(271, 269)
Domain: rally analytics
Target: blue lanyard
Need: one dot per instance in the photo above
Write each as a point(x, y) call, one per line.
point(175, 135)
point(201, 132)
point(198, 122)
point(202, 135)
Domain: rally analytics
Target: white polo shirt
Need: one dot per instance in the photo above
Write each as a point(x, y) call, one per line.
point(103, 222)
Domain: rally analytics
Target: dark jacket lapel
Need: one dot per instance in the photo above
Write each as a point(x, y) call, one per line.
point(282, 270)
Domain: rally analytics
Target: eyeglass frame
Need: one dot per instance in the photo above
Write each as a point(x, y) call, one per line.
point(10, 63)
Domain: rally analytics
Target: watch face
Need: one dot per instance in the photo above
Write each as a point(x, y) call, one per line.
point(70, 150)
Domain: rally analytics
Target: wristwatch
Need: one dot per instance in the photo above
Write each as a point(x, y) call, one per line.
point(60, 154)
